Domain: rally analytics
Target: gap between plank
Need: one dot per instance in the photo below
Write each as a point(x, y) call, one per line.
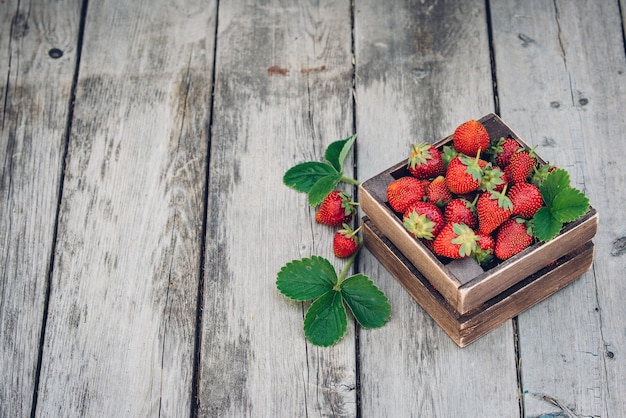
point(195, 379)
point(496, 102)
point(357, 264)
point(55, 232)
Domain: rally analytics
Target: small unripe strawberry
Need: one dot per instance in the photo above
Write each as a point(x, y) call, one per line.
point(337, 208)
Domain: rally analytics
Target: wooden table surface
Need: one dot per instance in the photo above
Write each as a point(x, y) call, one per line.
point(143, 217)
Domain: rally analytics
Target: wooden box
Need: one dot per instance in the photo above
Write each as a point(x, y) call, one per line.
point(466, 328)
point(462, 284)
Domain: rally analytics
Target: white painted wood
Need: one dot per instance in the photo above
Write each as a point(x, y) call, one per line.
point(122, 317)
point(422, 69)
point(561, 78)
point(283, 93)
point(35, 96)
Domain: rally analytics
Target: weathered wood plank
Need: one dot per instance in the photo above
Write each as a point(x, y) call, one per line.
point(122, 316)
point(35, 91)
point(422, 69)
point(562, 83)
point(283, 93)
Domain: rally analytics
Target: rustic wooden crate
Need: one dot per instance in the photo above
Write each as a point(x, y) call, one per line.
point(463, 283)
point(466, 328)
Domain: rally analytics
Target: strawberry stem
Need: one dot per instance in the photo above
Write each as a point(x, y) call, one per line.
point(345, 269)
point(350, 180)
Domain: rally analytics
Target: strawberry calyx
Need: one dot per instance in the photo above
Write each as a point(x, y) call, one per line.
point(492, 177)
point(420, 154)
point(466, 238)
point(419, 225)
point(472, 165)
point(503, 200)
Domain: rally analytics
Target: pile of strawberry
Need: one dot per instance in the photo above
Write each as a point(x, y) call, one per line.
point(476, 198)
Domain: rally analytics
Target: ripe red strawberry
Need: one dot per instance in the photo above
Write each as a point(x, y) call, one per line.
point(423, 220)
point(337, 208)
point(513, 236)
point(464, 174)
point(503, 149)
point(470, 138)
point(486, 246)
point(492, 209)
point(461, 210)
point(403, 192)
point(455, 241)
point(437, 191)
point(346, 241)
point(425, 161)
point(526, 199)
point(521, 166)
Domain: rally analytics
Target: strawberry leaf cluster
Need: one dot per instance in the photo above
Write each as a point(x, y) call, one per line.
point(317, 178)
point(314, 279)
point(325, 323)
point(563, 204)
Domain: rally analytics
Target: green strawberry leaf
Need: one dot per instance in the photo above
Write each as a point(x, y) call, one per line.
point(306, 279)
point(322, 187)
point(555, 182)
point(368, 304)
point(302, 177)
point(337, 152)
point(569, 205)
point(545, 225)
point(326, 321)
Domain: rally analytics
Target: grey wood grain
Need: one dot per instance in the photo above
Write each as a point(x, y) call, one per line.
point(562, 88)
point(283, 93)
point(121, 325)
point(35, 95)
point(422, 68)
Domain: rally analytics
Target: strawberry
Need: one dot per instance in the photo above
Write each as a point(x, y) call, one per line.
point(503, 149)
point(492, 209)
point(461, 210)
point(470, 138)
point(521, 166)
point(337, 208)
point(425, 161)
point(526, 199)
point(437, 191)
point(346, 241)
point(423, 220)
point(514, 235)
point(403, 192)
point(486, 246)
point(464, 174)
point(455, 241)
